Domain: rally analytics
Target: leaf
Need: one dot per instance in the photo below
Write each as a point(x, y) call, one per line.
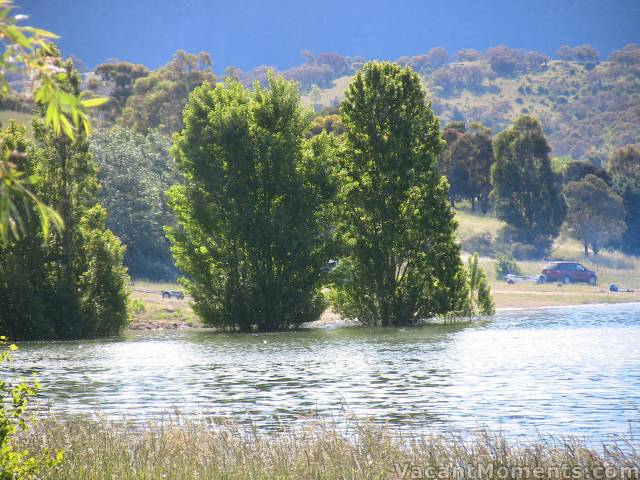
point(94, 102)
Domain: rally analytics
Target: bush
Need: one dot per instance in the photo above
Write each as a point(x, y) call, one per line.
point(18, 463)
point(137, 306)
point(525, 251)
point(480, 301)
point(479, 242)
point(511, 244)
point(506, 264)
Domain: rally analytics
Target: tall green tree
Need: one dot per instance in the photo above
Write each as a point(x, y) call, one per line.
point(527, 193)
point(595, 213)
point(402, 262)
point(624, 168)
point(158, 99)
point(135, 171)
point(69, 284)
point(252, 233)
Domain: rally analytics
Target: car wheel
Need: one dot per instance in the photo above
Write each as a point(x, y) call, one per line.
point(566, 280)
point(592, 280)
point(166, 295)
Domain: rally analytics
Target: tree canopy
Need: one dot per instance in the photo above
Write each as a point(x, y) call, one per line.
point(595, 213)
point(158, 99)
point(67, 284)
point(527, 193)
point(135, 171)
point(466, 161)
point(624, 168)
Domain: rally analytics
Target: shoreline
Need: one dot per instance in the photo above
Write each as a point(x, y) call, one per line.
point(331, 319)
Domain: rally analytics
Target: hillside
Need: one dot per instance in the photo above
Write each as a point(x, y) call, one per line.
point(587, 109)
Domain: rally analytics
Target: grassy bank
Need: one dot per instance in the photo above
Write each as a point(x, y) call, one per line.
point(185, 449)
point(151, 311)
point(611, 266)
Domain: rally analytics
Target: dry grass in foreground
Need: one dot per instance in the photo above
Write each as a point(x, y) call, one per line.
point(195, 449)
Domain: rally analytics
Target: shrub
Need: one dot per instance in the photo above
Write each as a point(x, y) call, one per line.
point(480, 301)
point(526, 251)
point(479, 242)
point(137, 306)
point(14, 399)
point(506, 264)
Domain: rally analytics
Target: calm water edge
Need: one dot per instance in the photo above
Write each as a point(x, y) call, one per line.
point(552, 371)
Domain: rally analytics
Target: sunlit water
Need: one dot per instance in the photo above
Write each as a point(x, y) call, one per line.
point(555, 371)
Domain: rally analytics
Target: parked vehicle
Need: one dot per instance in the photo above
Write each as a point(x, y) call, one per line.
point(172, 294)
point(568, 272)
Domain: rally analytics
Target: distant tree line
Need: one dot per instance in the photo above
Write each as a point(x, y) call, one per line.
point(514, 175)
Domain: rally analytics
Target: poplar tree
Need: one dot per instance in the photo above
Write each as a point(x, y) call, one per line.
point(402, 262)
point(252, 230)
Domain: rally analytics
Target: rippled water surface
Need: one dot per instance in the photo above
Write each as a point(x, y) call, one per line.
point(555, 371)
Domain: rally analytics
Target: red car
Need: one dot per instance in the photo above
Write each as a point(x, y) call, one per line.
point(568, 272)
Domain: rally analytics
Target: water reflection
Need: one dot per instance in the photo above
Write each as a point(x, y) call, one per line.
point(552, 371)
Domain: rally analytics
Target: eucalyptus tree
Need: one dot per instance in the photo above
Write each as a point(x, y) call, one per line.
point(624, 168)
point(527, 193)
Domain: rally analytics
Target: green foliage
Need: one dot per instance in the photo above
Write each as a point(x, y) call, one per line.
point(466, 161)
point(137, 306)
point(15, 196)
point(624, 168)
point(315, 94)
point(116, 80)
point(402, 262)
point(135, 171)
point(595, 213)
point(14, 399)
point(526, 191)
point(69, 284)
point(28, 52)
point(158, 99)
point(560, 164)
point(506, 264)
point(252, 234)
point(480, 301)
point(330, 123)
point(576, 171)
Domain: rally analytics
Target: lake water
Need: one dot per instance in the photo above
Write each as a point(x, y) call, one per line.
point(553, 371)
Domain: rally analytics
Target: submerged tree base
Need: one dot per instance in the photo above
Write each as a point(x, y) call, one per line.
point(180, 448)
